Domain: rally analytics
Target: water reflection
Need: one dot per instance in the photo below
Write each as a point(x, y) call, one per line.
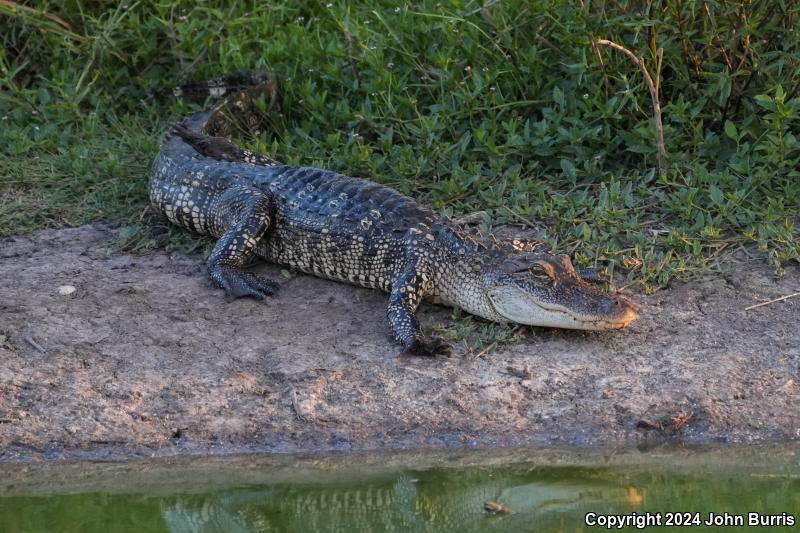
point(440, 500)
point(542, 498)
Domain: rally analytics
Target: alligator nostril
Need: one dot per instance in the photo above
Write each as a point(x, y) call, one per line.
point(627, 304)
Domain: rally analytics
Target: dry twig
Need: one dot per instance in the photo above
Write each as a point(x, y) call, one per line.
point(654, 87)
point(16, 7)
point(33, 344)
point(773, 301)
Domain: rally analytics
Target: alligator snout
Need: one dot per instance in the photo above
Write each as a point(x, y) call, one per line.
point(622, 310)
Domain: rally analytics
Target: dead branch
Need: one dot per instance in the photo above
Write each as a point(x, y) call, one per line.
point(14, 7)
point(654, 88)
point(782, 298)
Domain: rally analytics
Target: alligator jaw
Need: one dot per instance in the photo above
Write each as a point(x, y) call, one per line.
point(617, 320)
point(517, 306)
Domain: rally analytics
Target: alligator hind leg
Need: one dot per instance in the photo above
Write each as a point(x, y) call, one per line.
point(406, 295)
point(245, 214)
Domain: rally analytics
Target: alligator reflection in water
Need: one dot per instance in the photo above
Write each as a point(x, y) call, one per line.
point(254, 497)
point(431, 501)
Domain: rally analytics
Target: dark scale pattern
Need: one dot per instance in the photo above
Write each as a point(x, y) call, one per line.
point(315, 221)
point(357, 231)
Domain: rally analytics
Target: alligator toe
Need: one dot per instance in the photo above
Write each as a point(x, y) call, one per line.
point(237, 284)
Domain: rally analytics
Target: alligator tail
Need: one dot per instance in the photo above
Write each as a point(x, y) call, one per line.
point(220, 148)
point(209, 132)
point(224, 85)
point(240, 111)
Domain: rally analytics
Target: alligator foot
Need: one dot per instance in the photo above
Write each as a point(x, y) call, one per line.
point(430, 346)
point(238, 283)
point(242, 216)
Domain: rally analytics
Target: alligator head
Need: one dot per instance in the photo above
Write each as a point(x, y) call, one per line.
point(545, 290)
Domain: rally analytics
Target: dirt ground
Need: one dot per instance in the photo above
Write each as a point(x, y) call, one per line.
point(146, 358)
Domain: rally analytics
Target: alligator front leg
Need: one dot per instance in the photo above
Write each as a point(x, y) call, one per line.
point(242, 217)
point(406, 295)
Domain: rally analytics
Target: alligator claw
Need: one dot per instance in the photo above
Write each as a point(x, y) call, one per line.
point(238, 284)
point(430, 346)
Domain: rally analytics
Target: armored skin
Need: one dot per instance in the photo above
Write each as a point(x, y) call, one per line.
point(356, 231)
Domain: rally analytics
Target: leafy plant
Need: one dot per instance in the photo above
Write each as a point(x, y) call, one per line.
point(505, 107)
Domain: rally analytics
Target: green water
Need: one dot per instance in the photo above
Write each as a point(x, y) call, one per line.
point(545, 492)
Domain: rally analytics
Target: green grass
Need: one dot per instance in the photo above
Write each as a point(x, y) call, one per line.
point(505, 109)
point(478, 337)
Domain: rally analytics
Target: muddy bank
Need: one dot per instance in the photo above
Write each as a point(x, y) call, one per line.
point(206, 473)
point(145, 358)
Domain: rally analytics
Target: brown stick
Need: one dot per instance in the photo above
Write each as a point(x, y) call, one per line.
point(11, 7)
point(782, 298)
point(14, 7)
point(654, 87)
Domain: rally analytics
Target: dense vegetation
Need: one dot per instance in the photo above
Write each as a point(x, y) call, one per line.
point(499, 106)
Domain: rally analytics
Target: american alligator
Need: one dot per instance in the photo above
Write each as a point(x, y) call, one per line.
point(353, 230)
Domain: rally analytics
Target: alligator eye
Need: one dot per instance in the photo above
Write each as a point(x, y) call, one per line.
point(539, 272)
